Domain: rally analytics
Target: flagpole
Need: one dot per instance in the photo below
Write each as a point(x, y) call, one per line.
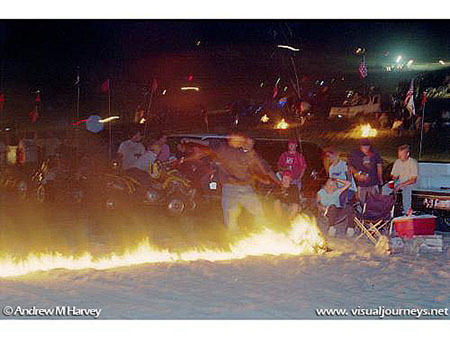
point(421, 131)
point(109, 115)
point(77, 138)
point(147, 113)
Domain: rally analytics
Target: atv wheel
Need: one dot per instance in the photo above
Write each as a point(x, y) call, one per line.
point(41, 194)
point(176, 206)
point(22, 189)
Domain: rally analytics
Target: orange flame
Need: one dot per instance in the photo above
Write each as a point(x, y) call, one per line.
point(304, 237)
point(368, 131)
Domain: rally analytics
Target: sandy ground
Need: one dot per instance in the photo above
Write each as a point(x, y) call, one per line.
point(350, 275)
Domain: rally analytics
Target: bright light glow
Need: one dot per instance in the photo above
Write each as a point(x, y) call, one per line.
point(282, 125)
point(289, 47)
point(265, 118)
point(109, 119)
point(164, 92)
point(285, 89)
point(368, 131)
point(190, 88)
point(303, 238)
point(399, 58)
point(142, 121)
point(410, 62)
point(388, 68)
point(442, 62)
point(261, 84)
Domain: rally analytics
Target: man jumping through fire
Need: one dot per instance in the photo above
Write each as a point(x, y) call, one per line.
point(238, 167)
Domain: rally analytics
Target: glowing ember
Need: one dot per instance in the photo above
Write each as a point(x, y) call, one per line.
point(368, 131)
point(282, 124)
point(265, 118)
point(303, 238)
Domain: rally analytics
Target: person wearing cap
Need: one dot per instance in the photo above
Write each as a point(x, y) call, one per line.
point(366, 165)
point(293, 161)
point(287, 197)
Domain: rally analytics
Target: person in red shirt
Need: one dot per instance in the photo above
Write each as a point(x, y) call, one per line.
point(293, 161)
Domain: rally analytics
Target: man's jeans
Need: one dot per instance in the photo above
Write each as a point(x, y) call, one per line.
point(406, 195)
point(235, 197)
point(363, 192)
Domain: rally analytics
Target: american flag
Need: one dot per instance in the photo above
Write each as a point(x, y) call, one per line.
point(363, 68)
point(409, 99)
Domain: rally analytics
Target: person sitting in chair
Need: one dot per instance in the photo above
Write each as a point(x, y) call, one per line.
point(329, 203)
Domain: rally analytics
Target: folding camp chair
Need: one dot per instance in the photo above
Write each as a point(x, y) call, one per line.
point(376, 215)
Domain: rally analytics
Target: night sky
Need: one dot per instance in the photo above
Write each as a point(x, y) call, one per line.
point(232, 57)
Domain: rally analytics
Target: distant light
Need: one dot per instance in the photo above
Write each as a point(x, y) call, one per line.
point(399, 58)
point(442, 62)
point(278, 81)
point(265, 118)
point(142, 121)
point(198, 43)
point(322, 82)
point(285, 89)
point(7, 129)
point(289, 47)
point(190, 88)
point(109, 119)
point(410, 62)
point(282, 125)
point(340, 116)
point(261, 84)
point(360, 51)
point(388, 68)
point(164, 92)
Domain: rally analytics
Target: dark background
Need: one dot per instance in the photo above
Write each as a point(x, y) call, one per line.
point(231, 61)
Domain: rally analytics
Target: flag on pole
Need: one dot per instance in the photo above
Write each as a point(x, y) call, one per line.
point(2, 102)
point(154, 86)
point(105, 86)
point(363, 68)
point(424, 100)
point(275, 90)
point(409, 99)
point(34, 114)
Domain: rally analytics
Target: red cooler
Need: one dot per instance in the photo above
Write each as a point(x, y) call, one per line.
point(415, 225)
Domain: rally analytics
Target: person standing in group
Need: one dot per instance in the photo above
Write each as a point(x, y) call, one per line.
point(28, 150)
point(131, 149)
point(161, 148)
point(366, 165)
point(405, 172)
point(287, 197)
point(339, 169)
point(293, 161)
point(140, 169)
